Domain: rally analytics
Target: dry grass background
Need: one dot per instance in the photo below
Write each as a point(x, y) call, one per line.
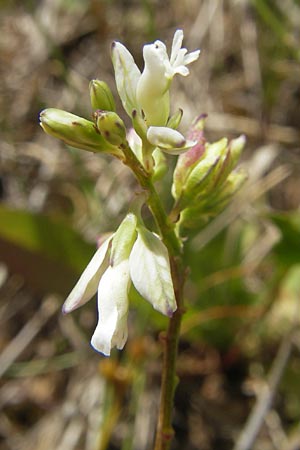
point(54, 393)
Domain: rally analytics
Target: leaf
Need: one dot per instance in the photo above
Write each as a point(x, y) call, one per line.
point(48, 253)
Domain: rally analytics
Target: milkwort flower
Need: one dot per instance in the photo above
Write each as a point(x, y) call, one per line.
point(146, 94)
point(132, 254)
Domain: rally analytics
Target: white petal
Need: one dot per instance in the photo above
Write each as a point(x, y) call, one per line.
point(127, 75)
point(165, 137)
point(111, 330)
point(87, 284)
point(182, 70)
point(176, 45)
point(150, 272)
point(191, 57)
point(168, 140)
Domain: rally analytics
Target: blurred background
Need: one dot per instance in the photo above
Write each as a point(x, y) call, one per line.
point(239, 349)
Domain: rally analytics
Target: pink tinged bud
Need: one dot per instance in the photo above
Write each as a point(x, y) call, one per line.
point(150, 272)
point(87, 284)
point(111, 330)
point(168, 140)
point(188, 160)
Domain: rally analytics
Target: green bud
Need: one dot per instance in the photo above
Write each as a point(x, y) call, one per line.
point(187, 161)
point(111, 127)
point(199, 213)
point(236, 146)
point(75, 131)
point(101, 96)
point(202, 176)
point(235, 149)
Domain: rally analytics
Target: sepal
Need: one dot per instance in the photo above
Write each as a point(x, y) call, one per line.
point(150, 271)
point(127, 75)
point(87, 285)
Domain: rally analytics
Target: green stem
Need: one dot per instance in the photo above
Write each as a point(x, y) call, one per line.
point(164, 432)
point(165, 226)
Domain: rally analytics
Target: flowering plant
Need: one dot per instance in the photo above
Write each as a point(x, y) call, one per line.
point(204, 181)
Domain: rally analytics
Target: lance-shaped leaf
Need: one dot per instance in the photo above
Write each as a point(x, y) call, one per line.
point(150, 271)
point(127, 75)
point(111, 330)
point(87, 284)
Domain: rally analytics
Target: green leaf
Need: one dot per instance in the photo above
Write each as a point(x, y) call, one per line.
point(48, 253)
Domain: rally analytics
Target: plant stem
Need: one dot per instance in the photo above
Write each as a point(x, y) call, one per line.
point(164, 431)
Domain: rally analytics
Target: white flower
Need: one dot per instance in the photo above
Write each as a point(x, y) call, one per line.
point(131, 254)
point(111, 330)
point(149, 91)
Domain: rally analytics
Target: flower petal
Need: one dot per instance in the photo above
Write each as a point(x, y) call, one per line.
point(87, 284)
point(176, 45)
point(150, 272)
point(168, 140)
point(111, 330)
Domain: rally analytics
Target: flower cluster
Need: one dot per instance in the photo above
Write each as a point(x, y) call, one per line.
point(204, 181)
point(145, 98)
point(132, 254)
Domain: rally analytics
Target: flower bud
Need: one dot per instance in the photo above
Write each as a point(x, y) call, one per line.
point(101, 96)
point(74, 131)
point(187, 161)
point(111, 126)
point(168, 140)
point(236, 146)
point(196, 215)
point(203, 174)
